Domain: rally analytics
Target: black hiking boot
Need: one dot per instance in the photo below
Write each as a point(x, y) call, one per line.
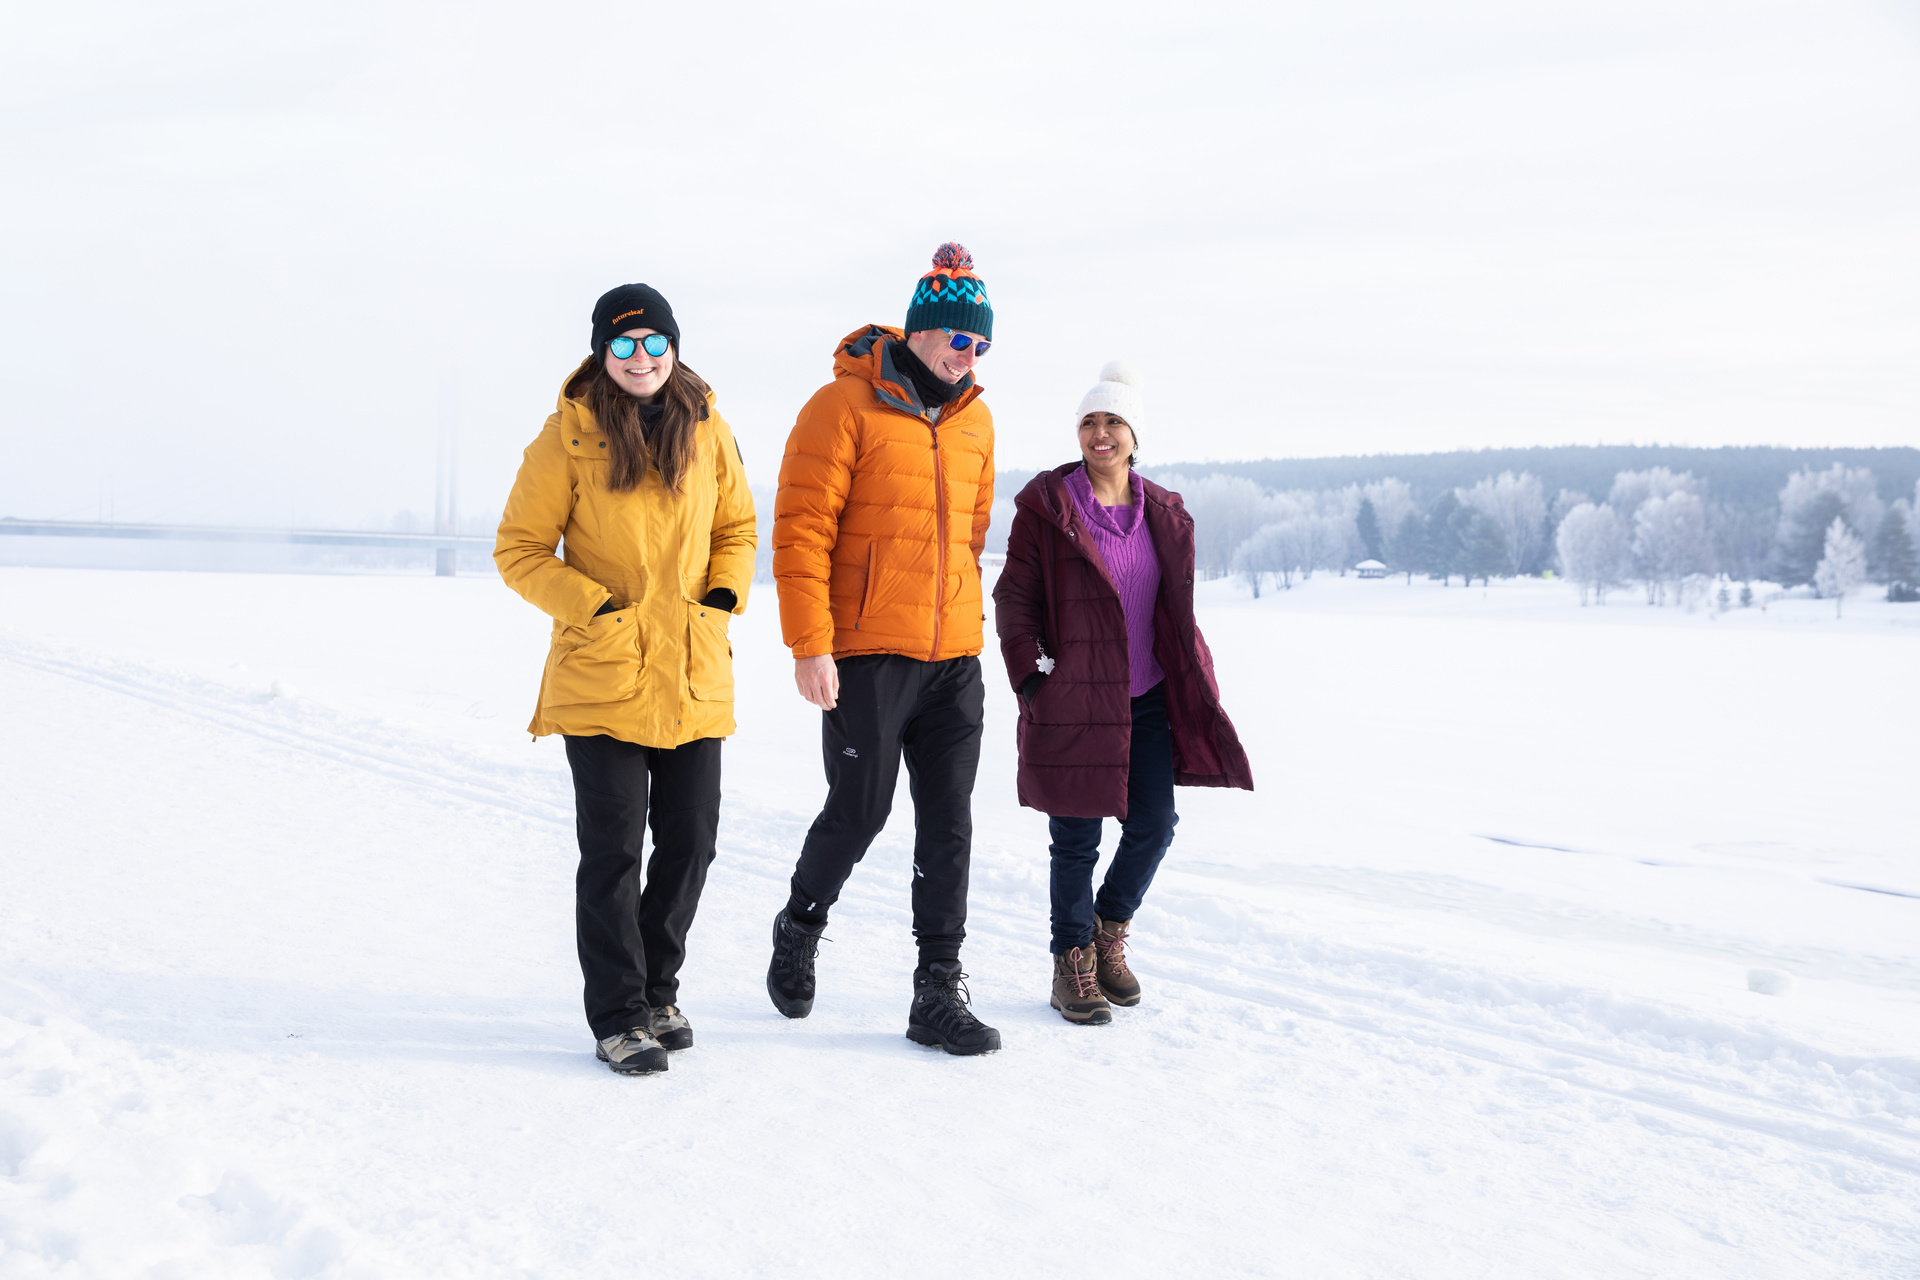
point(790, 974)
point(940, 1017)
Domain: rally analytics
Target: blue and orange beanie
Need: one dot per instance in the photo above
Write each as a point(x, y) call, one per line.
point(950, 296)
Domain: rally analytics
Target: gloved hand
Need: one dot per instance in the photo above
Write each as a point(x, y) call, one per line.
point(1030, 686)
point(721, 598)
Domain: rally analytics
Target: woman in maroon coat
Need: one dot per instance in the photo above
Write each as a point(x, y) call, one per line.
point(1117, 697)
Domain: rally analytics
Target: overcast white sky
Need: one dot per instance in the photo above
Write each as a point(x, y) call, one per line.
point(250, 254)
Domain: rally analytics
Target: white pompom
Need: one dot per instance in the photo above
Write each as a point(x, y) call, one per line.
point(1123, 371)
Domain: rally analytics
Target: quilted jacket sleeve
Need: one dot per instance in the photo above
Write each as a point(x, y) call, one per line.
point(538, 510)
point(1019, 599)
point(815, 476)
point(730, 562)
point(983, 505)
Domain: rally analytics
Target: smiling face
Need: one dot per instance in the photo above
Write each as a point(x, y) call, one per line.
point(936, 352)
point(640, 374)
point(1106, 442)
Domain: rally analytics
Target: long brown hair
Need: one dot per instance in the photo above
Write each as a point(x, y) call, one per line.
point(683, 401)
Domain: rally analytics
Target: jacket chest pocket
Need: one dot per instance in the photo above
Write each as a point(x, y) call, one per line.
point(599, 662)
point(709, 654)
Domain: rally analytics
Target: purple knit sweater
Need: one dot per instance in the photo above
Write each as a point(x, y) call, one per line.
point(1127, 548)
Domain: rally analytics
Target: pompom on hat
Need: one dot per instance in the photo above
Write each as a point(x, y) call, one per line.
point(950, 296)
point(1120, 393)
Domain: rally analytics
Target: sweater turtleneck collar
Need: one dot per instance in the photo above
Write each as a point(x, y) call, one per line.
point(1119, 521)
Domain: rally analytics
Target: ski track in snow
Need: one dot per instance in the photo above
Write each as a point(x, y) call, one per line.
point(1852, 1115)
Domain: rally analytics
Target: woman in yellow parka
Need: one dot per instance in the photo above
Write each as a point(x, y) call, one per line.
point(641, 479)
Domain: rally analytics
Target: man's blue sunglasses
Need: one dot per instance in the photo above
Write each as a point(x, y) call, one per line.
point(654, 343)
point(961, 341)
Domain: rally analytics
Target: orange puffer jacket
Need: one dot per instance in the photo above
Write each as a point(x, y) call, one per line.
point(882, 514)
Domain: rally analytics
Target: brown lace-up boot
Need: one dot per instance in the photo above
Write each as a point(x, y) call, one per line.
point(1076, 991)
point(1117, 982)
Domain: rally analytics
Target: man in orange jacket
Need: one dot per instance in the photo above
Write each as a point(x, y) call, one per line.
point(885, 492)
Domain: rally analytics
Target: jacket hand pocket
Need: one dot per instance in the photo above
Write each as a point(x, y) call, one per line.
point(596, 663)
point(709, 654)
point(866, 585)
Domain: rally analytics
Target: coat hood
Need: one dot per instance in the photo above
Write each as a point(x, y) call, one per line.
point(863, 354)
point(1046, 495)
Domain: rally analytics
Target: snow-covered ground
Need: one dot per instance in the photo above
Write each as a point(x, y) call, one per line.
point(287, 983)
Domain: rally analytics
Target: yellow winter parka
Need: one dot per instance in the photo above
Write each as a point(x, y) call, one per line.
point(658, 671)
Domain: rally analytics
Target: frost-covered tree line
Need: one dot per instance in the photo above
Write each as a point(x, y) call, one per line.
point(1657, 531)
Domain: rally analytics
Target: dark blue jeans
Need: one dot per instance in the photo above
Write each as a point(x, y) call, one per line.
point(1145, 833)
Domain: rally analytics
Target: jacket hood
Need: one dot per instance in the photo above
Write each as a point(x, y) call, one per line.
point(863, 354)
point(1046, 495)
point(574, 414)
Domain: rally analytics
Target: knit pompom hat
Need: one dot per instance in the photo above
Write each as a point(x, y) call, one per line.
point(950, 296)
point(1119, 392)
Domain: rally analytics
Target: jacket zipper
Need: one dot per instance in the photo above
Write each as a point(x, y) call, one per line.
point(939, 532)
point(866, 593)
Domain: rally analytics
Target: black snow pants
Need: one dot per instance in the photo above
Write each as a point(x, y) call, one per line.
point(633, 940)
point(931, 713)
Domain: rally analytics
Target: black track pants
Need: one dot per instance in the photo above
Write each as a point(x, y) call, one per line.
point(931, 713)
point(632, 940)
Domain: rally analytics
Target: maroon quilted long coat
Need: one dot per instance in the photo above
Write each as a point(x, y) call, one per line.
point(1055, 596)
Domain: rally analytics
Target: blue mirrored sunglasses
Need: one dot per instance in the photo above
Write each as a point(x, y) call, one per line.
point(961, 341)
point(654, 343)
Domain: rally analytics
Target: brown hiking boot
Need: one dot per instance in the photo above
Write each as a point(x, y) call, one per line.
point(1117, 982)
point(1076, 992)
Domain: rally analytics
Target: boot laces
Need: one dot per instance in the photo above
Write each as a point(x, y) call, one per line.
point(1085, 982)
point(951, 998)
point(1112, 951)
point(799, 947)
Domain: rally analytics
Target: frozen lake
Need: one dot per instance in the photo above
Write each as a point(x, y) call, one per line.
point(287, 983)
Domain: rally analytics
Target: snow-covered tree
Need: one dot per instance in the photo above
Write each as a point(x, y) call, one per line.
point(1631, 488)
point(1253, 560)
point(1298, 543)
point(1392, 501)
point(1671, 544)
point(1808, 505)
point(1563, 502)
point(1274, 550)
point(1367, 522)
point(1593, 548)
point(1800, 539)
point(1483, 547)
point(1445, 552)
point(1327, 542)
point(1892, 558)
point(1407, 549)
point(1226, 510)
point(1843, 567)
point(1742, 540)
point(1517, 505)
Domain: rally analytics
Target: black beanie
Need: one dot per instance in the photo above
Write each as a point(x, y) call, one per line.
point(632, 306)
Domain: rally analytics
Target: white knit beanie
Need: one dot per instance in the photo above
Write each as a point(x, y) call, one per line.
point(1118, 393)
